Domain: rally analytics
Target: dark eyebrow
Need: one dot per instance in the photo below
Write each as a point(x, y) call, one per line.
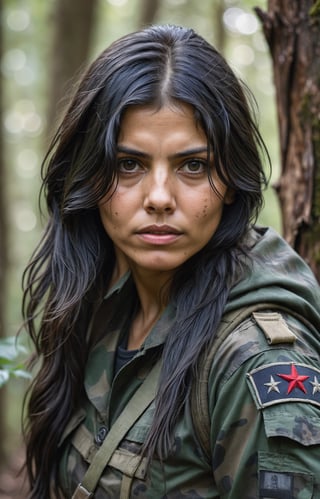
point(190, 152)
point(132, 152)
point(181, 154)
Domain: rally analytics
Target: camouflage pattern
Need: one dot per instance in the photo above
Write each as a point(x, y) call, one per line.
point(258, 450)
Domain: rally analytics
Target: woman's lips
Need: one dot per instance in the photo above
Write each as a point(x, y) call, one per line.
point(159, 234)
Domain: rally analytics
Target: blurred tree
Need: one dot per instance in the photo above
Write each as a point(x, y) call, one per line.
point(3, 247)
point(292, 30)
point(219, 30)
point(148, 11)
point(73, 25)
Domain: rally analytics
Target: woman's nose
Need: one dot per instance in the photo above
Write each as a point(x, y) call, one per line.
point(159, 194)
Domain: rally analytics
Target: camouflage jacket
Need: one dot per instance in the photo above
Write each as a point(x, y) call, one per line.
point(264, 399)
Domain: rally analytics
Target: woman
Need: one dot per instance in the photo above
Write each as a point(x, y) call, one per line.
point(152, 185)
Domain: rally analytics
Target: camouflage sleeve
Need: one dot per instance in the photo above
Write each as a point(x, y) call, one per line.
point(265, 418)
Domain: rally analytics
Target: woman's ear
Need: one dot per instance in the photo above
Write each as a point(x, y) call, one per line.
point(229, 196)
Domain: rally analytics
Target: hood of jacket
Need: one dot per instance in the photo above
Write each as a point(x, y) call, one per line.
point(277, 275)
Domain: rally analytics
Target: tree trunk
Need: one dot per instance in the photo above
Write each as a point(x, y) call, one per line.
point(148, 11)
point(73, 23)
point(219, 30)
point(292, 30)
point(3, 250)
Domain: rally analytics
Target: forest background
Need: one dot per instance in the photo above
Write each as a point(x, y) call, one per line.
point(33, 34)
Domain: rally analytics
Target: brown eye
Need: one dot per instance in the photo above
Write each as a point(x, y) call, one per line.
point(194, 166)
point(128, 166)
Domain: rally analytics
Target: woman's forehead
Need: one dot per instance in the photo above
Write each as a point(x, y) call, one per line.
point(168, 112)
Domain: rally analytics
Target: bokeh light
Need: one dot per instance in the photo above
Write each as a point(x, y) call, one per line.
point(117, 3)
point(239, 21)
point(24, 217)
point(18, 20)
point(27, 163)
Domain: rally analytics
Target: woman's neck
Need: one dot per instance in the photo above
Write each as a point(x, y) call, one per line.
point(152, 289)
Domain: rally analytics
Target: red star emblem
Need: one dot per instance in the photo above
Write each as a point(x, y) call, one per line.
point(295, 380)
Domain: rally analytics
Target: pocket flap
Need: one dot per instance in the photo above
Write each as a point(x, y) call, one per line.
point(122, 459)
point(303, 425)
point(130, 464)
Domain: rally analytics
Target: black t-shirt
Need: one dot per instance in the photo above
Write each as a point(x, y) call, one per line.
point(123, 355)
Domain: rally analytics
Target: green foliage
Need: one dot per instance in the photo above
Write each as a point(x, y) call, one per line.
point(10, 364)
point(315, 9)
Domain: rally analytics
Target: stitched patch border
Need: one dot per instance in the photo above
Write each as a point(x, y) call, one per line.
point(281, 382)
point(276, 485)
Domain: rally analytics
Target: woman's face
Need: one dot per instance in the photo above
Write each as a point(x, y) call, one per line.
point(163, 209)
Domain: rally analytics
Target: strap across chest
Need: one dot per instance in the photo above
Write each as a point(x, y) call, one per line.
point(133, 410)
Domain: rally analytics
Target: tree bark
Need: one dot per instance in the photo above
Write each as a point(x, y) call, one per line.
point(148, 12)
point(292, 31)
point(3, 250)
point(73, 23)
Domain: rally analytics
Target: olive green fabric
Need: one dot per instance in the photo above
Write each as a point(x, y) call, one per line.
point(141, 399)
point(263, 443)
point(275, 330)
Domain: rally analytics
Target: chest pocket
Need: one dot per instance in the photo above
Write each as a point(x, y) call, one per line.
point(124, 459)
point(111, 453)
point(126, 468)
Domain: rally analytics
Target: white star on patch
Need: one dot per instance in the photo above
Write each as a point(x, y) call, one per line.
point(272, 385)
point(316, 385)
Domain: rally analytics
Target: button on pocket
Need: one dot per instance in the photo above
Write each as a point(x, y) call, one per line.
point(101, 435)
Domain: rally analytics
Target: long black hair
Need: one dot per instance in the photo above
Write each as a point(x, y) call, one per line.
point(72, 266)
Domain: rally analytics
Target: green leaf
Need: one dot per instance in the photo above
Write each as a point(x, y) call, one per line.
point(9, 365)
point(4, 376)
point(21, 373)
point(10, 349)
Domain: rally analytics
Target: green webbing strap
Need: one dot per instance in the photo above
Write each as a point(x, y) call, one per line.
point(199, 390)
point(134, 408)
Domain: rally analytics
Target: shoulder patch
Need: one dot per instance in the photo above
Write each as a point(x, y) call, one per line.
point(285, 382)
